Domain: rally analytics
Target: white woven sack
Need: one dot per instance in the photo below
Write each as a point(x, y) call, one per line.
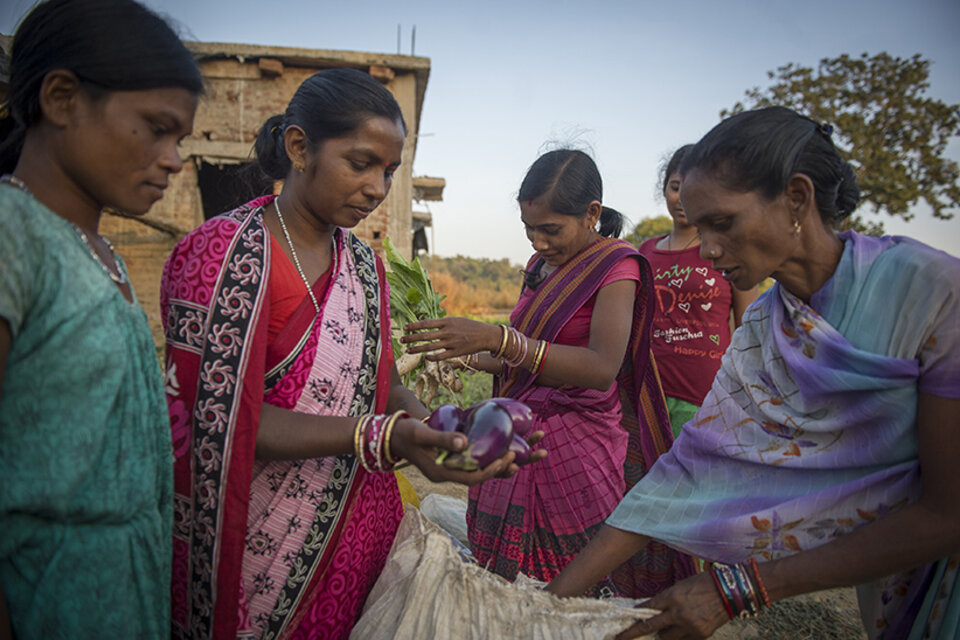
point(427, 592)
point(449, 513)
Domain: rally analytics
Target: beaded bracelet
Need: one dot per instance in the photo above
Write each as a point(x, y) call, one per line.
point(749, 595)
point(747, 609)
point(723, 595)
point(760, 587)
point(371, 451)
point(725, 573)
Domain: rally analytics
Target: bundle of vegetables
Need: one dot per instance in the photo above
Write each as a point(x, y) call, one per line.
point(492, 428)
point(412, 298)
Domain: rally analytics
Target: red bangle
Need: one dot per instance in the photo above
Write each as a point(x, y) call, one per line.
point(760, 587)
point(543, 359)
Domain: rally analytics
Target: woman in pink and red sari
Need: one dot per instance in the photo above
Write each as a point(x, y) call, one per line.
point(578, 353)
point(287, 410)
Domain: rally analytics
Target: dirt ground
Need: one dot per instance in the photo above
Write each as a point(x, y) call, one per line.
point(826, 615)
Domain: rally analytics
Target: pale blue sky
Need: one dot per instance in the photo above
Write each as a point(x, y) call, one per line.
point(630, 80)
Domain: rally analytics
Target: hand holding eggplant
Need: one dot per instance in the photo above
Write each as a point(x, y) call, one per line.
point(420, 445)
point(494, 428)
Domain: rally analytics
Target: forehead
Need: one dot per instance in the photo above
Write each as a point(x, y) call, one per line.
point(704, 195)
point(378, 137)
point(174, 103)
point(537, 214)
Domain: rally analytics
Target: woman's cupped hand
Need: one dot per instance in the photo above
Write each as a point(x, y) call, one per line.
point(421, 445)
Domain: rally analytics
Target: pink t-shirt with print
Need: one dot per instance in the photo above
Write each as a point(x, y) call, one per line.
point(691, 322)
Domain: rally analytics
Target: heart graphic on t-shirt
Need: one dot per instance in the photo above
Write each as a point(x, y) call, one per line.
point(702, 271)
point(677, 283)
point(706, 307)
point(685, 306)
point(710, 282)
point(715, 338)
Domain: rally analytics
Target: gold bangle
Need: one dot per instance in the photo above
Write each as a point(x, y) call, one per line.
point(504, 338)
point(389, 432)
point(362, 427)
point(356, 437)
point(538, 356)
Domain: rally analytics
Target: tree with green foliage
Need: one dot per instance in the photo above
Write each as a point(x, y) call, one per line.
point(649, 228)
point(885, 125)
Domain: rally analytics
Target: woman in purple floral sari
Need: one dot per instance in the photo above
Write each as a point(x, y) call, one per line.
point(825, 453)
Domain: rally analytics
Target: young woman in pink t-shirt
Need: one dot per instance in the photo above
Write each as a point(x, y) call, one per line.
point(695, 311)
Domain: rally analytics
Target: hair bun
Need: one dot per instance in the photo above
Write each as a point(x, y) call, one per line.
point(848, 193)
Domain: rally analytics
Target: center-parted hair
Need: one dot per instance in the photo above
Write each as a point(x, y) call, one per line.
point(759, 150)
point(328, 104)
point(567, 181)
point(110, 45)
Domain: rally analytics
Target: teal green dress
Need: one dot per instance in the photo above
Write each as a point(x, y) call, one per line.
point(85, 453)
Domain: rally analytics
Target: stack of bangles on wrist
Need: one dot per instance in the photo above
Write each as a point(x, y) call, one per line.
point(371, 441)
point(741, 590)
point(513, 350)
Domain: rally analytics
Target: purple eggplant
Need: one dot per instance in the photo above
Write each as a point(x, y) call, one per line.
point(520, 413)
point(489, 431)
point(446, 417)
point(520, 448)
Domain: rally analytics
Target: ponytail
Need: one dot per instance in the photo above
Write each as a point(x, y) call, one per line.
point(12, 135)
point(270, 150)
point(611, 222)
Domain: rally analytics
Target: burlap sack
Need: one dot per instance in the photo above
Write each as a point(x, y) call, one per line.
point(427, 592)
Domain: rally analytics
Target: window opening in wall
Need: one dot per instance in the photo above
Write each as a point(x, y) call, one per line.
point(225, 187)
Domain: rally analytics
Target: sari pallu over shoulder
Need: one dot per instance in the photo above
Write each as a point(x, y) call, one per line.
point(644, 415)
point(215, 306)
point(803, 437)
point(551, 307)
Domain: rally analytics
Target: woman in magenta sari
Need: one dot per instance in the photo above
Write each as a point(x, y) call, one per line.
point(287, 411)
point(578, 353)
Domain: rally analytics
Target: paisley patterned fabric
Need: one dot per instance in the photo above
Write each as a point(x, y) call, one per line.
point(810, 429)
point(284, 548)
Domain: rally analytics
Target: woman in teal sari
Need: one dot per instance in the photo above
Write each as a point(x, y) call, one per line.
point(101, 93)
point(824, 454)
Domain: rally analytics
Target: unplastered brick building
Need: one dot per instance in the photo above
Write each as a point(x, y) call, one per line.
point(245, 85)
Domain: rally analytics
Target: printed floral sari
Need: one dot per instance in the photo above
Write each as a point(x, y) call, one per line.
point(809, 432)
point(600, 442)
point(280, 549)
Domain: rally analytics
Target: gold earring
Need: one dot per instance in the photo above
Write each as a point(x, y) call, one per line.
point(796, 228)
point(298, 166)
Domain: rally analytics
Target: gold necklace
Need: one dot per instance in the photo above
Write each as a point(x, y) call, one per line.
point(293, 252)
point(120, 277)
